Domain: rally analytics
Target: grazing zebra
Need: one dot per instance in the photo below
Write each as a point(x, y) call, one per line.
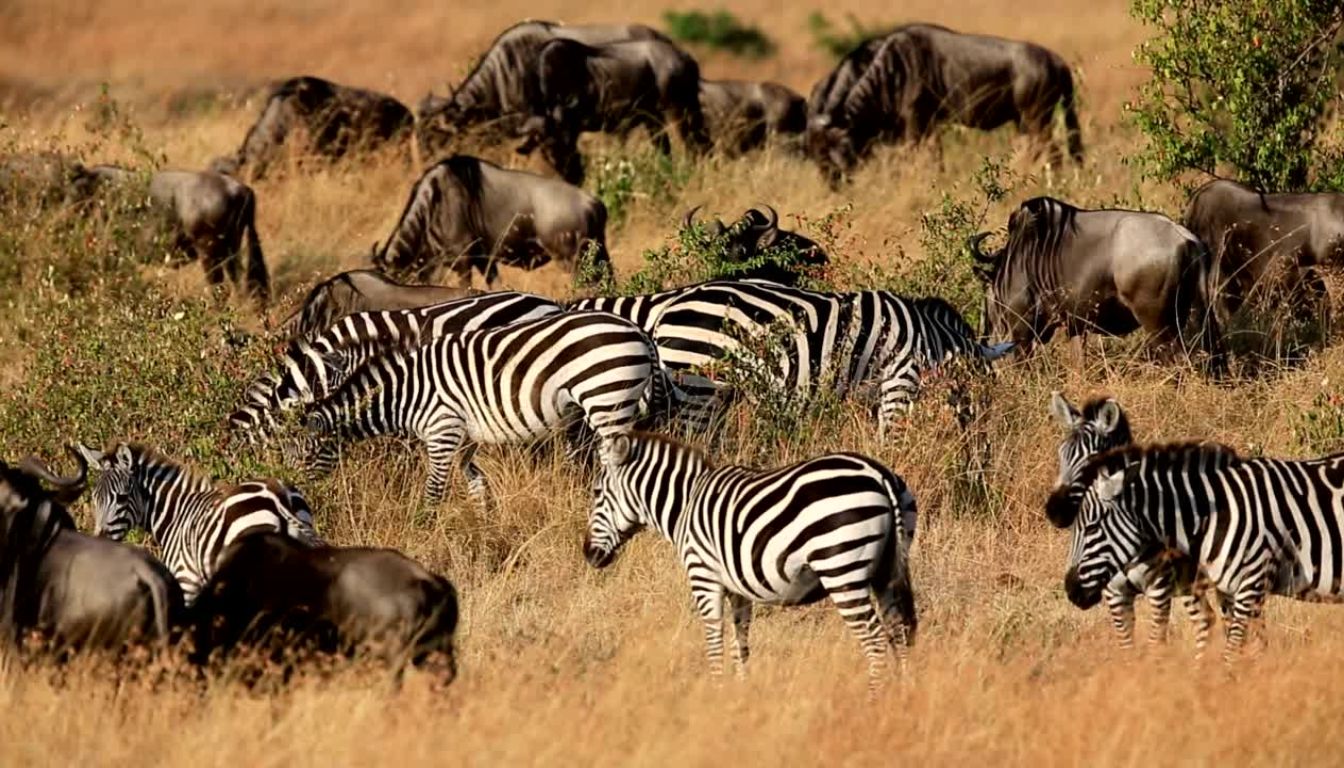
point(311, 369)
point(1255, 525)
point(642, 310)
point(837, 526)
point(501, 385)
point(1101, 426)
point(840, 341)
point(190, 518)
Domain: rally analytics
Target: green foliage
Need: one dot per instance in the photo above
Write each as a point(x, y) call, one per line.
point(1319, 429)
point(837, 42)
point(1242, 85)
point(719, 31)
point(647, 175)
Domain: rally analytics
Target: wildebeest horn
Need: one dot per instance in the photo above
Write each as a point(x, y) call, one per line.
point(67, 487)
point(688, 220)
point(973, 245)
point(772, 219)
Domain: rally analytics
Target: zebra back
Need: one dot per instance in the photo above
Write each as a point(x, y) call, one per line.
point(312, 369)
point(642, 310)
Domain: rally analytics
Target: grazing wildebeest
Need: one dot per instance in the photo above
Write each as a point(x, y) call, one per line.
point(42, 178)
point(338, 119)
point(1259, 240)
point(495, 92)
point(274, 595)
point(75, 592)
point(741, 115)
point(1109, 271)
point(753, 239)
point(922, 76)
point(211, 216)
point(611, 88)
point(360, 290)
point(467, 213)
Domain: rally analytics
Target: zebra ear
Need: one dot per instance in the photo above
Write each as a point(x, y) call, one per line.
point(93, 456)
point(618, 450)
point(124, 458)
point(1108, 416)
point(1063, 411)
point(1110, 484)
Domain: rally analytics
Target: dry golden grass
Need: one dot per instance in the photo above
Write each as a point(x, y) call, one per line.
point(564, 665)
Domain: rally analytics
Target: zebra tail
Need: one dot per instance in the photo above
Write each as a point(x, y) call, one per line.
point(895, 555)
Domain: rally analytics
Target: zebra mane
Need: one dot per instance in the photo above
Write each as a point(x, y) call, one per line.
point(667, 441)
point(163, 467)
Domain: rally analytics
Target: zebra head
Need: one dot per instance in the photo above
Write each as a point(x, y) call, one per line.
point(1107, 534)
point(619, 508)
point(1100, 426)
point(118, 503)
point(315, 455)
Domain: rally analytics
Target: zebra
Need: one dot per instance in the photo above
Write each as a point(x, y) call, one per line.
point(1102, 425)
point(837, 526)
point(836, 341)
point(311, 369)
point(185, 513)
point(643, 310)
point(501, 385)
point(1255, 525)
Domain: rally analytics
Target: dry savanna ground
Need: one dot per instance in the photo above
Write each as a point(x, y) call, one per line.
point(564, 665)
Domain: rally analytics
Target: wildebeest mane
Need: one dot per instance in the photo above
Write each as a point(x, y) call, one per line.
point(1038, 228)
point(409, 239)
point(504, 63)
point(901, 64)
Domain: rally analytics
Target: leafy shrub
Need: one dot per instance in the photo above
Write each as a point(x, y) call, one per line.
point(1243, 84)
point(646, 175)
point(1319, 429)
point(720, 31)
point(838, 43)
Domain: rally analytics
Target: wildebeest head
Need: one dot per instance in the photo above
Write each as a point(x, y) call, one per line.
point(63, 489)
point(831, 146)
point(116, 502)
point(756, 235)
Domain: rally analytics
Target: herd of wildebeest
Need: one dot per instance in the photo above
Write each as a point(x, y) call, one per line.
point(242, 567)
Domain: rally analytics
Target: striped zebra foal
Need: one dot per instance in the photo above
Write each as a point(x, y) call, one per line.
point(1256, 526)
point(1101, 425)
point(837, 526)
point(185, 513)
point(311, 369)
point(844, 342)
point(503, 385)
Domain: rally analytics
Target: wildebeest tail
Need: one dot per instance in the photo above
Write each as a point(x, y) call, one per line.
point(169, 611)
point(1206, 304)
point(434, 635)
point(258, 278)
point(1068, 101)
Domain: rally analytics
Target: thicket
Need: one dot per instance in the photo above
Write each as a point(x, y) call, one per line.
point(719, 31)
point(1243, 88)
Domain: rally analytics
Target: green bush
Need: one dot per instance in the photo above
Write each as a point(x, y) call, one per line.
point(719, 31)
point(648, 175)
point(1319, 430)
point(1241, 87)
point(838, 43)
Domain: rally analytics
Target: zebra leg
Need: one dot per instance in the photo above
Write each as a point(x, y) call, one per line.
point(741, 629)
point(476, 482)
point(441, 444)
point(709, 602)
point(898, 391)
point(1159, 591)
point(1201, 618)
point(1244, 610)
point(854, 601)
point(1120, 602)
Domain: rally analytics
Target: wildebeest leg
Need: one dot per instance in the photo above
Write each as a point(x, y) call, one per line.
point(215, 261)
point(562, 153)
point(658, 133)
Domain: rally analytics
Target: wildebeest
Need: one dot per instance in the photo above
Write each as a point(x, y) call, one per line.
point(274, 595)
point(495, 93)
point(1259, 240)
point(467, 213)
point(923, 75)
point(742, 115)
point(764, 251)
point(1109, 271)
point(211, 216)
point(338, 119)
point(611, 88)
point(42, 178)
point(75, 592)
point(360, 290)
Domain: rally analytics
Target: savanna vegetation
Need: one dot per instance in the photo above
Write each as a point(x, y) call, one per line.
point(101, 339)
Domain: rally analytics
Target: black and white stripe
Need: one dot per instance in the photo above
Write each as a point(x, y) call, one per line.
point(502, 385)
point(1102, 425)
point(311, 369)
point(837, 526)
point(838, 341)
point(185, 514)
point(1255, 526)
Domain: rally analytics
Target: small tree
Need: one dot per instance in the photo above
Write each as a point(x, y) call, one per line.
point(1241, 84)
